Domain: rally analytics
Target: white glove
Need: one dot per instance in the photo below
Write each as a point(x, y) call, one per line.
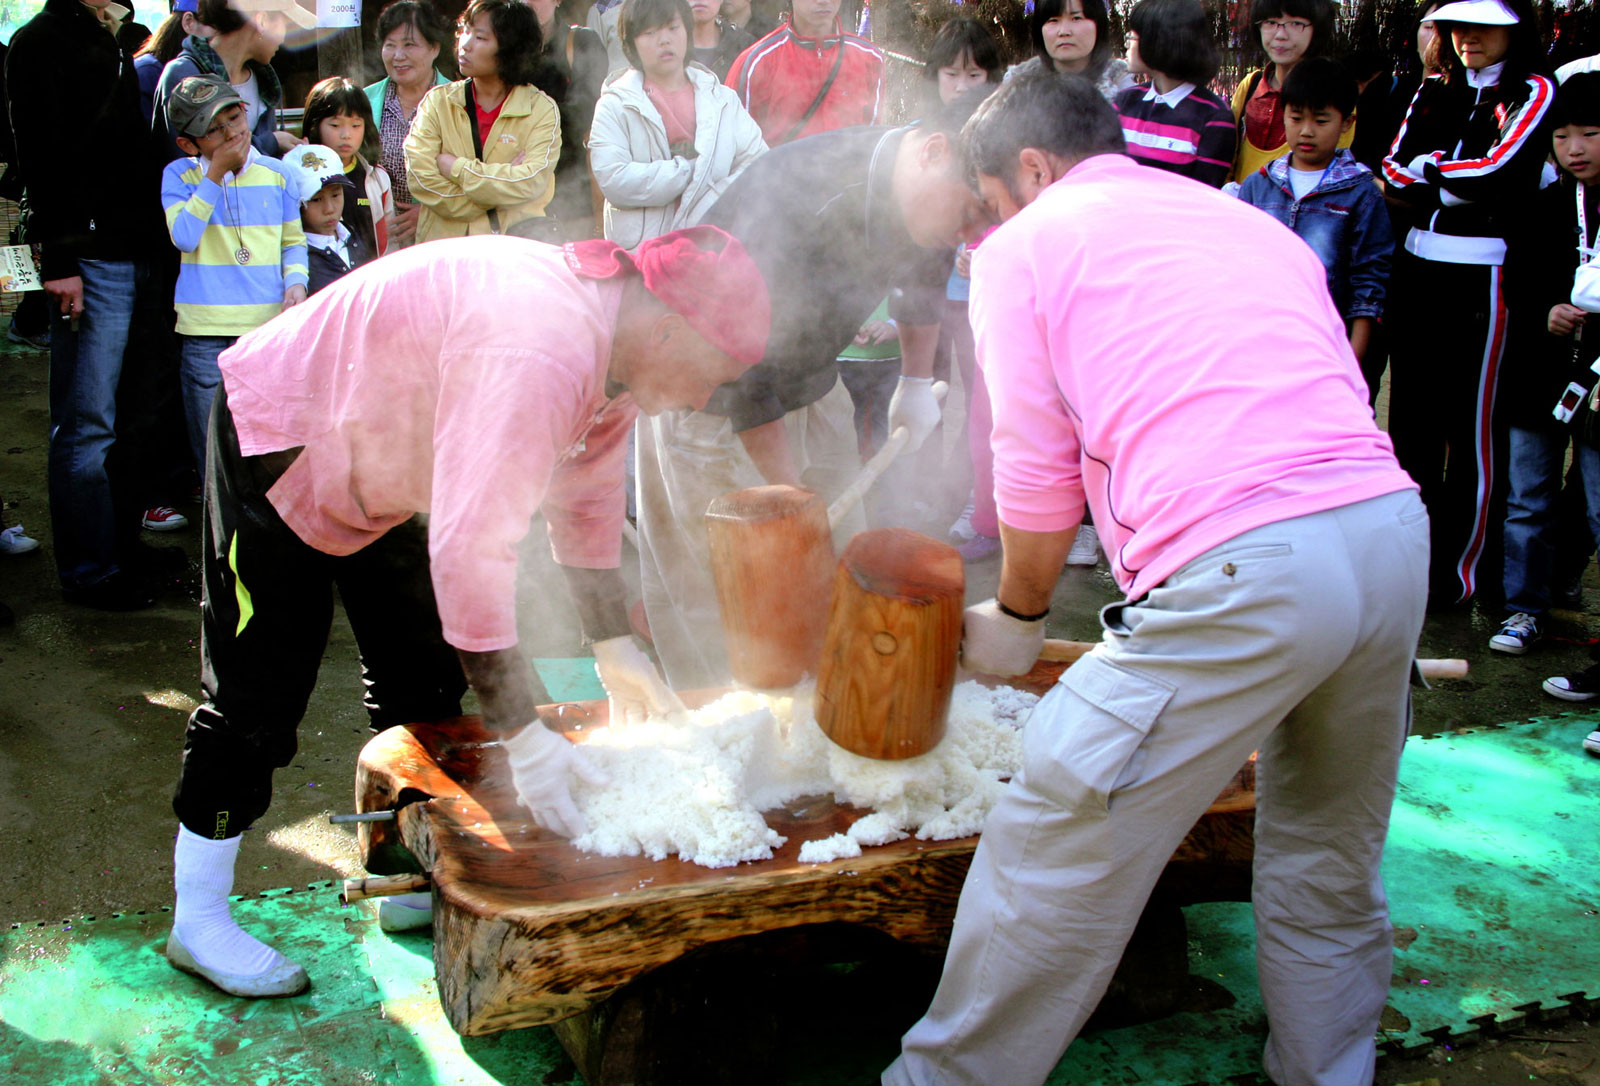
point(543, 764)
point(915, 407)
point(632, 682)
point(996, 644)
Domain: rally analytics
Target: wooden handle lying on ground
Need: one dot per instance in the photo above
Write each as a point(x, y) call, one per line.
point(382, 886)
point(873, 468)
point(1058, 651)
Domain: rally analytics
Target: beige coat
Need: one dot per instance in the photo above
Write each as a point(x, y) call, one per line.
point(529, 123)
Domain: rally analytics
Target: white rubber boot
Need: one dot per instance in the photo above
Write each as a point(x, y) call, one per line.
point(206, 940)
point(405, 912)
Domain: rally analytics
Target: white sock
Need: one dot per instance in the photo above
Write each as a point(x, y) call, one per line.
point(203, 878)
point(423, 900)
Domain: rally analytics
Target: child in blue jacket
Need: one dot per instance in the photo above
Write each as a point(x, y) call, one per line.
point(1327, 197)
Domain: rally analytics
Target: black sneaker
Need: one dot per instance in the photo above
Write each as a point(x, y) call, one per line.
point(119, 592)
point(38, 340)
point(1584, 686)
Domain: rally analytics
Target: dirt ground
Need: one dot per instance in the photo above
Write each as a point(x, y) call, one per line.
point(92, 710)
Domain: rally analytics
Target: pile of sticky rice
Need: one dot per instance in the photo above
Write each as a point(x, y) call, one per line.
point(695, 785)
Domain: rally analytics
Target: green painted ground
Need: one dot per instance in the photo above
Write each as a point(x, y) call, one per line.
point(1490, 865)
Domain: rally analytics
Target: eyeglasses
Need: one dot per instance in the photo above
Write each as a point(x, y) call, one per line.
point(1292, 26)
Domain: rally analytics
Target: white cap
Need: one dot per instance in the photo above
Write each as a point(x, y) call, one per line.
point(310, 166)
point(1481, 12)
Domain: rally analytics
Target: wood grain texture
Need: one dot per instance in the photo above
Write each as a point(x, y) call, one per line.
point(529, 931)
point(894, 631)
point(772, 562)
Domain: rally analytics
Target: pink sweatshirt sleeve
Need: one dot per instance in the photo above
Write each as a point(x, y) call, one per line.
point(1037, 478)
point(503, 420)
point(585, 503)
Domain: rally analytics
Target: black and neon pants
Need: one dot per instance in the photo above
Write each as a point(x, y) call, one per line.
point(265, 617)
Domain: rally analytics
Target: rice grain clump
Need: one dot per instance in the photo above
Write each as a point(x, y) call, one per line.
point(695, 786)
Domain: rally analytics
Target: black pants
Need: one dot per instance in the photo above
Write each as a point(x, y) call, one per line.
point(265, 617)
point(1448, 325)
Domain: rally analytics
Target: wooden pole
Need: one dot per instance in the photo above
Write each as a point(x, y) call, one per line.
point(772, 562)
point(889, 659)
point(1058, 651)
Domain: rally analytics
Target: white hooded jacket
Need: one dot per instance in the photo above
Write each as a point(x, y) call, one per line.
point(648, 190)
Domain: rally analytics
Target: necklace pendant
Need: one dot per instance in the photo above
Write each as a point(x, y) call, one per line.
point(242, 254)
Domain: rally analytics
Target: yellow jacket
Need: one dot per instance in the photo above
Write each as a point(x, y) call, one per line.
point(1249, 158)
point(454, 206)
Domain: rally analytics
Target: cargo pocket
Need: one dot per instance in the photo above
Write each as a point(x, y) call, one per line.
point(1095, 744)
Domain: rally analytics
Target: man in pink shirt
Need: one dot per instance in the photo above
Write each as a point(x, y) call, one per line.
point(479, 381)
point(1173, 361)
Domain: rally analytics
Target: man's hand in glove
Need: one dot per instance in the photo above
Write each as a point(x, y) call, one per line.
point(543, 764)
point(996, 643)
point(631, 680)
point(915, 407)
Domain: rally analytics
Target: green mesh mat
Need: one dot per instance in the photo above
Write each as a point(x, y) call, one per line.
point(1490, 865)
point(569, 678)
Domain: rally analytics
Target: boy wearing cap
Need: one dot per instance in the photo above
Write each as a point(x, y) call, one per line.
point(319, 183)
point(236, 223)
point(424, 383)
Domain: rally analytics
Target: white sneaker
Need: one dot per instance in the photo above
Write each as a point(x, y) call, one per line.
point(962, 530)
point(1085, 547)
point(15, 541)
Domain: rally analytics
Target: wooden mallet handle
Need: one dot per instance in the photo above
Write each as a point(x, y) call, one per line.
point(382, 886)
point(1058, 651)
point(850, 495)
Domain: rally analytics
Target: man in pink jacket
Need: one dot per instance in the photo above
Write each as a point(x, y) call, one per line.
point(1172, 360)
point(478, 381)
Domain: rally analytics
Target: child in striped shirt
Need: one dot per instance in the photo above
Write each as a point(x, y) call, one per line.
point(1175, 122)
point(236, 222)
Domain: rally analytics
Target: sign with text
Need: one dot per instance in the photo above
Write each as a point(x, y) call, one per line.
point(16, 269)
point(338, 13)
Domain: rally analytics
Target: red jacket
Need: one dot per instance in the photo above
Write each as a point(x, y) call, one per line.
point(778, 78)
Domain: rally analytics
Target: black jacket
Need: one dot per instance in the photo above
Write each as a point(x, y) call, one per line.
point(819, 218)
point(323, 266)
point(1489, 145)
point(731, 41)
point(91, 180)
point(1540, 261)
point(585, 73)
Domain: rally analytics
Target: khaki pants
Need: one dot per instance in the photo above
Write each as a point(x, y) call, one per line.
point(685, 460)
point(1294, 639)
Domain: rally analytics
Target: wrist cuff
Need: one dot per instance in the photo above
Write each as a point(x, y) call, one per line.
point(1004, 610)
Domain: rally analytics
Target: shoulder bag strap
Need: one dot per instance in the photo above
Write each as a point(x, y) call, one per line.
point(477, 147)
point(816, 103)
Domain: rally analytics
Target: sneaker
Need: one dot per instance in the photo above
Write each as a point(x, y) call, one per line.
point(1570, 596)
point(164, 518)
point(1584, 686)
point(962, 530)
point(38, 341)
point(197, 495)
point(979, 548)
point(1591, 743)
point(1085, 547)
point(1516, 635)
point(16, 541)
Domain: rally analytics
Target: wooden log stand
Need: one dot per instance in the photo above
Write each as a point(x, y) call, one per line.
point(633, 961)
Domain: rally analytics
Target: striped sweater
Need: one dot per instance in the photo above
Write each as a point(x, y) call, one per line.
point(1188, 130)
point(217, 294)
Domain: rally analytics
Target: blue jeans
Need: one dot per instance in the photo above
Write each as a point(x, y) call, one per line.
point(1535, 469)
point(87, 500)
point(199, 376)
